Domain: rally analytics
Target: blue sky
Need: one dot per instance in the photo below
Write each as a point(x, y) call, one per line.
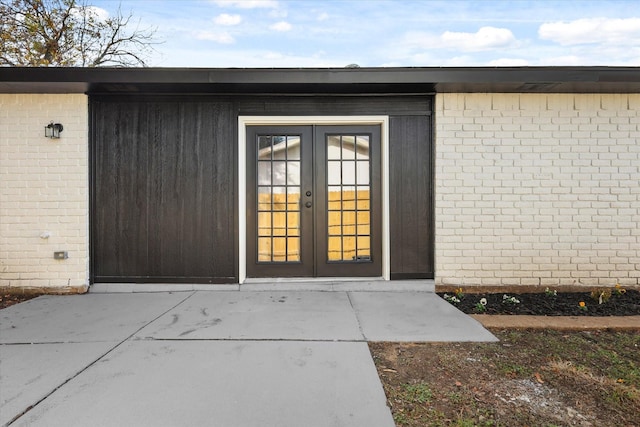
point(388, 33)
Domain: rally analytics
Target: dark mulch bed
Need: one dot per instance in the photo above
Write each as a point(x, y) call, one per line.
point(625, 303)
point(8, 299)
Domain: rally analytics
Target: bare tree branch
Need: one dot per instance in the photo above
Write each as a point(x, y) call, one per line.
point(69, 33)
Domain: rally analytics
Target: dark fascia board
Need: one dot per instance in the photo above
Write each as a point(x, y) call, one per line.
point(321, 80)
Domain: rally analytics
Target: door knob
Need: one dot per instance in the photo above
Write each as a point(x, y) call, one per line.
point(308, 204)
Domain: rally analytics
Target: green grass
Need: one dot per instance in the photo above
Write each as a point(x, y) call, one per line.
point(417, 393)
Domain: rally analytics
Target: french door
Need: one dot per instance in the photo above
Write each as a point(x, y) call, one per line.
point(314, 201)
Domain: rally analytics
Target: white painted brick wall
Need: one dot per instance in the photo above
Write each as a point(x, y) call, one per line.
point(538, 189)
point(43, 187)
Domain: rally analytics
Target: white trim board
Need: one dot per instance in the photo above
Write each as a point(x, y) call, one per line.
point(244, 121)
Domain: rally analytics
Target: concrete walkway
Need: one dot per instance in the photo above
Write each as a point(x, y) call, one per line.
point(211, 358)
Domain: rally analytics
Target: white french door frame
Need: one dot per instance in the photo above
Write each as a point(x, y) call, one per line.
point(244, 121)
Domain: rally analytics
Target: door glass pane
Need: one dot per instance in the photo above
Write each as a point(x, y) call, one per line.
point(333, 147)
point(264, 173)
point(363, 202)
point(335, 223)
point(334, 170)
point(264, 223)
point(348, 171)
point(362, 172)
point(348, 147)
point(334, 198)
point(278, 158)
point(293, 172)
point(264, 249)
point(362, 147)
point(335, 249)
point(348, 198)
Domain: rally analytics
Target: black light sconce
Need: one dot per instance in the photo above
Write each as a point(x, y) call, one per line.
point(52, 130)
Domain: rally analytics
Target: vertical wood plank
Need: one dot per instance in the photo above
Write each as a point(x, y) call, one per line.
point(164, 191)
point(411, 196)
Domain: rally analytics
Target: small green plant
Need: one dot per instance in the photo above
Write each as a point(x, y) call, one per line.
point(550, 292)
point(582, 306)
point(455, 397)
point(418, 392)
point(458, 293)
point(619, 290)
point(510, 300)
point(465, 422)
point(601, 295)
point(451, 299)
point(481, 306)
point(513, 369)
point(400, 418)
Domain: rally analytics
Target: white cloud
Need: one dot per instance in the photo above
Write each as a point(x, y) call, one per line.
point(485, 38)
point(323, 17)
point(227, 20)
point(248, 4)
point(96, 12)
point(218, 37)
point(250, 58)
point(592, 30)
point(278, 13)
point(99, 12)
point(281, 26)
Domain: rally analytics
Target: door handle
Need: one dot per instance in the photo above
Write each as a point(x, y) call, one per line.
point(308, 204)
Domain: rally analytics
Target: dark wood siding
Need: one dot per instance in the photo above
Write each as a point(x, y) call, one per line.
point(164, 182)
point(411, 197)
point(163, 191)
point(335, 105)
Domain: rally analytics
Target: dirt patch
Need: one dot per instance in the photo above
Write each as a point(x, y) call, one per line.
point(529, 378)
point(9, 299)
point(599, 302)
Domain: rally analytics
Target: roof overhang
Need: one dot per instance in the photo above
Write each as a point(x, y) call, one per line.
point(321, 80)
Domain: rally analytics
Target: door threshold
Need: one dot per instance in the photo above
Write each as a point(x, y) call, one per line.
point(326, 280)
point(337, 284)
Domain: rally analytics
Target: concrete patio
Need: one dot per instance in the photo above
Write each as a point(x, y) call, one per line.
point(223, 358)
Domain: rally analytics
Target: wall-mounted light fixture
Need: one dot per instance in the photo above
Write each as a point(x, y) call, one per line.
point(52, 130)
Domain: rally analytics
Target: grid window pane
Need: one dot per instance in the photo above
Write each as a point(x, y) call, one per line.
point(349, 223)
point(333, 147)
point(362, 150)
point(293, 249)
point(348, 198)
point(335, 248)
point(362, 172)
point(264, 173)
point(348, 248)
point(364, 247)
point(278, 158)
point(364, 201)
point(264, 224)
point(335, 223)
point(334, 172)
point(264, 249)
point(348, 147)
point(279, 249)
point(334, 197)
point(293, 147)
point(293, 223)
point(348, 172)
